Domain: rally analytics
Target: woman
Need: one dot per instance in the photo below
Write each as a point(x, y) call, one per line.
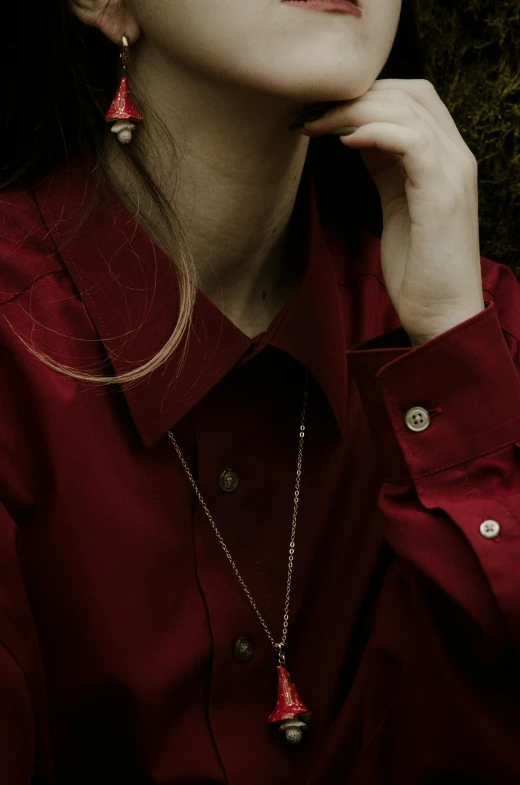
point(245, 444)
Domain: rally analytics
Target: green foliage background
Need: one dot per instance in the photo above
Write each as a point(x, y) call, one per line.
point(472, 50)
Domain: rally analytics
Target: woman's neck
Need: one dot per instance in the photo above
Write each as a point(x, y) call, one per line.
point(233, 184)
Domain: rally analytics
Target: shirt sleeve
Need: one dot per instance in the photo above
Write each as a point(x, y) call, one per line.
point(445, 423)
point(24, 740)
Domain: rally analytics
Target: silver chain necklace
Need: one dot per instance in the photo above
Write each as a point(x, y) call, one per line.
point(290, 712)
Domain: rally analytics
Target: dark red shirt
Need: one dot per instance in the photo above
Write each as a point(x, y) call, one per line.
point(119, 612)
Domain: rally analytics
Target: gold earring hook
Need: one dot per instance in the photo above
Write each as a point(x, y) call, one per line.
point(125, 53)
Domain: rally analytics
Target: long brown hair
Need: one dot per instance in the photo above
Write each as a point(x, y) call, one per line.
point(70, 71)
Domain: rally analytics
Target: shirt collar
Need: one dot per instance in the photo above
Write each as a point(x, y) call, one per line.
point(116, 280)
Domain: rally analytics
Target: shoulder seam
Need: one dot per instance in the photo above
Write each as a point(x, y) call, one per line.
point(30, 193)
point(30, 283)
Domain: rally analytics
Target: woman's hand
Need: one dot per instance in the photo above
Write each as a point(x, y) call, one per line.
point(427, 180)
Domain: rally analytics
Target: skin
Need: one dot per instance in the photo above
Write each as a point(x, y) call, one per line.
point(227, 78)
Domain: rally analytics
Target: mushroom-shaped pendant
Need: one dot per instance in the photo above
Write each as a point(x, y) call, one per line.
point(290, 711)
point(123, 110)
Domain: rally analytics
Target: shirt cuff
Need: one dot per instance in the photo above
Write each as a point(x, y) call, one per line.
point(465, 379)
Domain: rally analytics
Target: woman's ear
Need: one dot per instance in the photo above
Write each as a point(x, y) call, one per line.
point(112, 17)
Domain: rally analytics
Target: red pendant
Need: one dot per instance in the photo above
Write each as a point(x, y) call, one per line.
point(290, 711)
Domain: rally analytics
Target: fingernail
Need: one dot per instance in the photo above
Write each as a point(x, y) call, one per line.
point(295, 125)
point(306, 118)
point(347, 130)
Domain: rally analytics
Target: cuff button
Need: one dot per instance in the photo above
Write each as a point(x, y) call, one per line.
point(490, 529)
point(417, 419)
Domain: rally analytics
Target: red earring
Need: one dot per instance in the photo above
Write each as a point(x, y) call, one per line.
point(122, 109)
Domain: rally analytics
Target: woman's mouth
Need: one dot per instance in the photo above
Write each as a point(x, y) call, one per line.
point(337, 6)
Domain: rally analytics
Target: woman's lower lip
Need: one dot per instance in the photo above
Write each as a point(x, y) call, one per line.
point(340, 6)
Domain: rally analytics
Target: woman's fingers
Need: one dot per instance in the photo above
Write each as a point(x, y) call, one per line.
point(415, 96)
point(417, 149)
point(422, 92)
point(410, 115)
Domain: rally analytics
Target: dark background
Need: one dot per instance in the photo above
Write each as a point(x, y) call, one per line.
point(472, 51)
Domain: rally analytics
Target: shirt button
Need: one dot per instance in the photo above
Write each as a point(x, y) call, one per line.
point(490, 529)
point(242, 649)
point(417, 419)
point(227, 480)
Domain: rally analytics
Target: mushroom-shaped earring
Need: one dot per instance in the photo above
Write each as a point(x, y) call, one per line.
point(122, 109)
point(290, 711)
